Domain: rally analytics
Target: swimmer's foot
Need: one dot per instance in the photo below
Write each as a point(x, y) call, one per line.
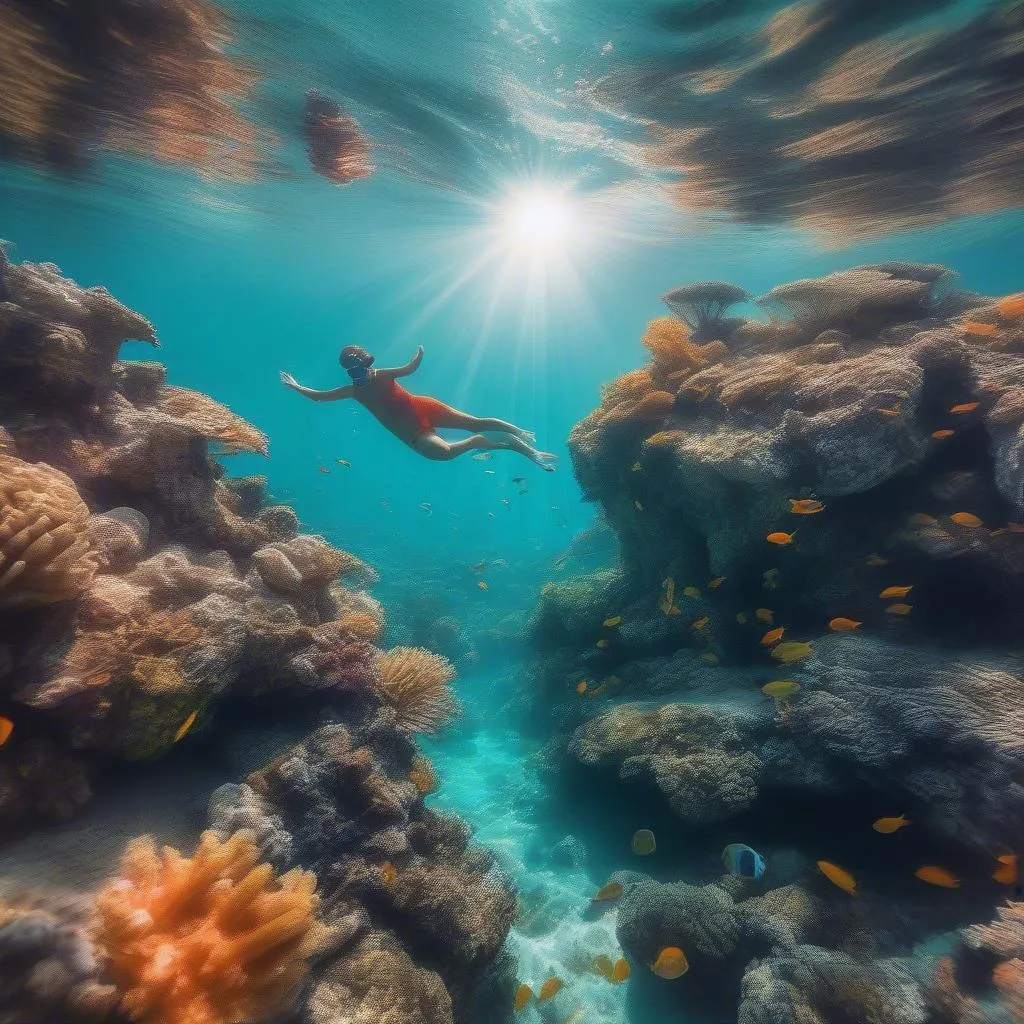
point(545, 460)
point(542, 459)
point(526, 436)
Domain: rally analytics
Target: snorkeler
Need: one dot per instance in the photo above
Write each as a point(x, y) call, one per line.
point(415, 419)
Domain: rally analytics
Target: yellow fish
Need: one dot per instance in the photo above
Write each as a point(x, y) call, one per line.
point(608, 891)
point(773, 636)
point(875, 560)
point(7, 727)
point(899, 609)
point(843, 625)
point(701, 622)
point(612, 622)
point(550, 989)
point(636, 468)
point(602, 644)
point(941, 435)
point(523, 996)
point(805, 506)
point(691, 592)
point(643, 842)
point(603, 965)
point(942, 877)
point(887, 412)
point(922, 519)
point(182, 729)
point(792, 650)
point(671, 963)
point(780, 688)
point(637, 506)
point(716, 582)
point(581, 687)
point(482, 585)
point(780, 539)
point(741, 618)
point(838, 876)
point(388, 874)
point(889, 825)
point(896, 592)
point(620, 971)
point(1008, 872)
point(344, 462)
point(964, 407)
point(966, 519)
point(765, 615)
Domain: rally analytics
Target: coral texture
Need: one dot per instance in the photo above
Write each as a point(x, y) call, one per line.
point(415, 682)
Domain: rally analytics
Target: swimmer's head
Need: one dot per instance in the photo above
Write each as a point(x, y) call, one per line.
point(357, 361)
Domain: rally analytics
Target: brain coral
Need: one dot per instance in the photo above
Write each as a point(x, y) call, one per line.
point(210, 939)
point(45, 553)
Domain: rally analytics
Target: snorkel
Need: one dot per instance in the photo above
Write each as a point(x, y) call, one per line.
point(357, 362)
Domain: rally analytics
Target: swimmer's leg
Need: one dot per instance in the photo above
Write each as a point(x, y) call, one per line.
point(432, 446)
point(456, 420)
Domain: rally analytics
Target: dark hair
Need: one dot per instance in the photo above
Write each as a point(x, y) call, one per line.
point(353, 356)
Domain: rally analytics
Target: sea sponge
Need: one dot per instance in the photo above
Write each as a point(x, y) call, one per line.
point(45, 552)
point(361, 625)
point(415, 682)
point(207, 939)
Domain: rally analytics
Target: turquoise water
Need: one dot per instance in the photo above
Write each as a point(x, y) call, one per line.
point(472, 105)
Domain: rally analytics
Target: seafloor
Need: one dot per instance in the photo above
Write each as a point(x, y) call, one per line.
point(830, 501)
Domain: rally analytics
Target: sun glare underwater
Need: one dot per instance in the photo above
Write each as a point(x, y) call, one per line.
point(511, 513)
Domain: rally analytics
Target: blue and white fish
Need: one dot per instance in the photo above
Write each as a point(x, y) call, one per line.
point(743, 861)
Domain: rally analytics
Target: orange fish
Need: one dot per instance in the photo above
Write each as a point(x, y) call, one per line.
point(1011, 306)
point(180, 734)
point(966, 519)
point(620, 971)
point(671, 963)
point(773, 636)
point(942, 877)
point(889, 825)
point(523, 996)
point(939, 435)
point(780, 539)
point(765, 615)
point(805, 506)
point(976, 327)
point(6, 728)
point(838, 876)
point(581, 687)
point(603, 965)
point(1008, 872)
point(875, 560)
point(964, 407)
point(701, 622)
point(896, 591)
point(843, 625)
point(887, 412)
point(550, 989)
point(899, 609)
point(922, 519)
point(608, 891)
point(388, 874)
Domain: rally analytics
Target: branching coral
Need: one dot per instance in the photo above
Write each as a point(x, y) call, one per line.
point(208, 939)
point(45, 554)
point(415, 682)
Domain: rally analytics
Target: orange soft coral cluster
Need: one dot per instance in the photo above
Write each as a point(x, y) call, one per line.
point(207, 940)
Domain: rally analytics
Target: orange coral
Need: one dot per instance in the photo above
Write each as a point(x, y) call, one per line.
point(630, 387)
point(668, 341)
point(422, 775)
point(1008, 978)
point(45, 554)
point(210, 939)
point(415, 682)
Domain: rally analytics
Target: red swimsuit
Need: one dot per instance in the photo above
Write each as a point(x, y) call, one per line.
point(402, 413)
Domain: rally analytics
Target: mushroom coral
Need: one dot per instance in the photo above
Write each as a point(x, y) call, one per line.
point(45, 553)
point(207, 939)
point(702, 304)
point(415, 682)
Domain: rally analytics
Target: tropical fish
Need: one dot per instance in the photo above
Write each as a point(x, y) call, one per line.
point(344, 462)
point(550, 989)
point(482, 457)
point(963, 407)
point(602, 643)
point(781, 539)
point(388, 874)
point(773, 636)
point(899, 609)
point(701, 622)
point(1011, 306)
point(922, 519)
point(643, 842)
point(603, 965)
point(887, 412)
point(608, 891)
point(875, 560)
point(505, 502)
point(671, 963)
point(805, 506)
point(479, 567)
point(637, 505)
point(620, 971)
point(843, 625)
point(636, 468)
point(7, 727)
point(976, 327)
point(523, 996)
point(182, 729)
point(792, 650)
point(612, 621)
point(780, 688)
point(1008, 872)
point(940, 435)
point(709, 658)
point(670, 609)
point(743, 861)
point(765, 615)
point(741, 618)
point(771, 579)
point(934, 875)
point(838, 876)
point(489, 472)
point(691, 592)
point(323, 469)
point(482, 585)
point(889, 825)
point(896, 591)
point(966, 519)
point(581, 687)
point(716, 582)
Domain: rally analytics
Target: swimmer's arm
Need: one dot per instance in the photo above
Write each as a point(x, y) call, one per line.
point(334, 395)
point(403, 371)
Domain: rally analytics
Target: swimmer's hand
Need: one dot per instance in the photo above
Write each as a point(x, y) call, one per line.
point(418, 358)
point(290, 382)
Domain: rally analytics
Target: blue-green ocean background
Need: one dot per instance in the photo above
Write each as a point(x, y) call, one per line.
point(243, 281)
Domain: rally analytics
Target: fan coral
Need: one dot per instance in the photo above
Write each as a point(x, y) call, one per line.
point(415, 682)
point(45, 554)
point(212, 420)
point(701, 305)
point(209, 939)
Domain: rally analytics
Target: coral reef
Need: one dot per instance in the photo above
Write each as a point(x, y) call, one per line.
point(415, 682)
